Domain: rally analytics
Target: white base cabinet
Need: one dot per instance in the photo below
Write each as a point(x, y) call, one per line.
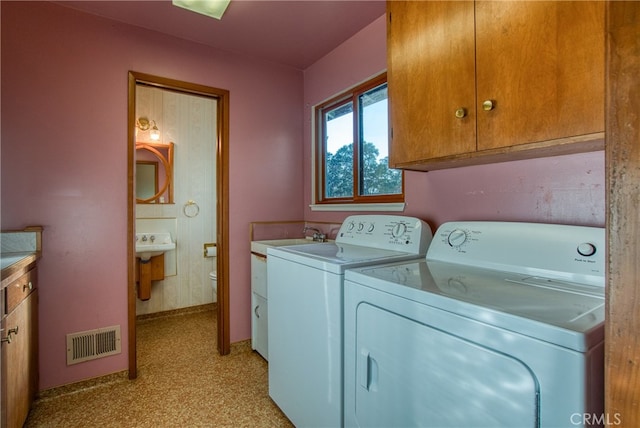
point(259, 310)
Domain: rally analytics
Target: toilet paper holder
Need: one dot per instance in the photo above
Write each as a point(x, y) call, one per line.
point(210, 249)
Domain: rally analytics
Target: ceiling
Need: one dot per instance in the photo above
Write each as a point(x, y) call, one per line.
point(295, 33)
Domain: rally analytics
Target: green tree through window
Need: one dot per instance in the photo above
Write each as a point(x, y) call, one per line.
point(378, 178)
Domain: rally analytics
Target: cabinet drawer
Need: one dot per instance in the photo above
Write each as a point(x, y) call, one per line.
point(20, 288)
point(259, 275)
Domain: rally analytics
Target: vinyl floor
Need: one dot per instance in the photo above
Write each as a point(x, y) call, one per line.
point(182, 382)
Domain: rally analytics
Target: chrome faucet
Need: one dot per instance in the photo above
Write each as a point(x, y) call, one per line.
point(144, 238)
point(318, 236)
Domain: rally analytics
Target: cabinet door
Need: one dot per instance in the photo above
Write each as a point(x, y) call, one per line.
point(543, 65)
point(431, 74)
point(20, 359)
point(259, 327)
point(34, 350)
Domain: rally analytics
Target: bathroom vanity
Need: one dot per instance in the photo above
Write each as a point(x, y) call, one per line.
point(150, 249)
point(21, 251)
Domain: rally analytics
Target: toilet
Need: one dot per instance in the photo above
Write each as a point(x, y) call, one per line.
point(211, 251)
point(213, 276)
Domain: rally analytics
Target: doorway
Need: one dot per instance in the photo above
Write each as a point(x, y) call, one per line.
point(221, 97)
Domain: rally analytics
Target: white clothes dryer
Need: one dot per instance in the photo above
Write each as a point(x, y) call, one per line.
point(501, 326)
point(305, 310)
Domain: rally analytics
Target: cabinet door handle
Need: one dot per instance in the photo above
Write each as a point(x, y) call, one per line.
point(29, 286)
point(10, 332)
point(488, 105)
point(461, 112)
point(255, 311)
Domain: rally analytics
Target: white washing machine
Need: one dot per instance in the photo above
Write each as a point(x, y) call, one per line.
point(501, 326)
point(305, 310)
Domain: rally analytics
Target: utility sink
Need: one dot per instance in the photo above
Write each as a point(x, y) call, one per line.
point(153, 244)
point(260, 247)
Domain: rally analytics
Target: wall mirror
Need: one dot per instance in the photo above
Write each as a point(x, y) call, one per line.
point(146, 179)
point(154, 173)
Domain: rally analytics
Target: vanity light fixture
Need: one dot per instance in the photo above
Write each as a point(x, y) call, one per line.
point(212, 8)
point(155, 133)
point(144, 124)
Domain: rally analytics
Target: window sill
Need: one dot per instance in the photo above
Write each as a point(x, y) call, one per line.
point(396, 206)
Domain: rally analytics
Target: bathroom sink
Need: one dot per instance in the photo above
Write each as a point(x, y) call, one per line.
point(153, 244)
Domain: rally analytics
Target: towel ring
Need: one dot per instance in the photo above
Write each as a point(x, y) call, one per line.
point(191, 209)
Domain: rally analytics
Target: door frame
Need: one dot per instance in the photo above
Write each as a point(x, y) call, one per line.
point(222, 203)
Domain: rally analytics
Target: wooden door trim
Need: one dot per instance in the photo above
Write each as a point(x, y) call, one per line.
point(622, 166)
point(222, 206)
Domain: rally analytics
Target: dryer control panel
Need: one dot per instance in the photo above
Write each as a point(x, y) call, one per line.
point(572, 253)
point(389, 232)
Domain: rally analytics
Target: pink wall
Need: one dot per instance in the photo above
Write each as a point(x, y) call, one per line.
point(564, 189)
point(64, 161)
point(64, 154)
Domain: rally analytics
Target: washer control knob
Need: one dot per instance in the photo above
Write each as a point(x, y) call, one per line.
point(457, 238)
point(360, 227)
point(586, 249)
point(371, 227)
point(398, 230)
point(350, 226)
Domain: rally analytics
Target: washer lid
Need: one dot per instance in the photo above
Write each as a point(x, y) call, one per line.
point(334, 257)
point(567, 314)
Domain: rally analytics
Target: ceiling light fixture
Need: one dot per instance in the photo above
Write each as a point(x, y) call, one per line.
point(212, 8)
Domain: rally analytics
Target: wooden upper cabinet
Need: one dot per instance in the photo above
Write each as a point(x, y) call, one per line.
point(431, 74)
point(477, 82)
point(543, 65)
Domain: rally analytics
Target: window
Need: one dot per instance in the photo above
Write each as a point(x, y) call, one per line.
point(352, 149)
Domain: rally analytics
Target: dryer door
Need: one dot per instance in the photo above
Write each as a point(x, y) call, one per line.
point(408, 373)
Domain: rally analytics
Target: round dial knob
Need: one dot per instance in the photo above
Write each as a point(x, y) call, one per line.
point(360, 227)
point(586, 249)
point(457, 238)
point(351, 225)
point(371, 227)
point(398, 230)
